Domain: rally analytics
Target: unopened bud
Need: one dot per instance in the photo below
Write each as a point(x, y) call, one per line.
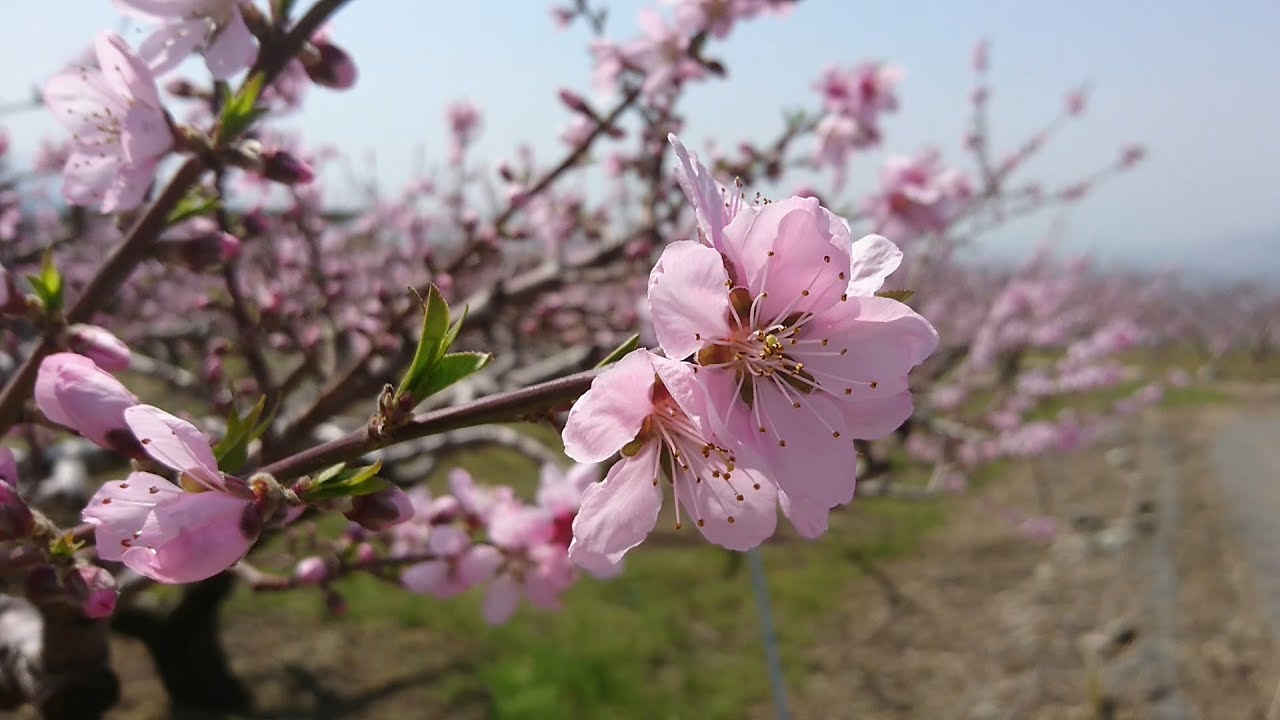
point(199, 253)
point(180, 87)
point(575, 102)
point(284, 168)
point(329, 65)
point(311, 570)
point(95, 590)
point(380, 510)
point(99, 345)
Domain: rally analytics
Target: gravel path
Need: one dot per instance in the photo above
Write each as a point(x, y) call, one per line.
point(1245, 457)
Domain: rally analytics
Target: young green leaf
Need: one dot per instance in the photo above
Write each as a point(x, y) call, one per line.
point(451, 368)
point(340, 481)
point(48, 285)
point(621, 351)
point(431, 344)
point(232, 450)
point(195, 204)
point(240, 110)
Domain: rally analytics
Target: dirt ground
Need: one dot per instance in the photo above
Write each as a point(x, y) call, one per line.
point(1134, 608)
point(987, 625)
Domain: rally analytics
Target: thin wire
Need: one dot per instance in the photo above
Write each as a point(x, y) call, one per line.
point(768, 634)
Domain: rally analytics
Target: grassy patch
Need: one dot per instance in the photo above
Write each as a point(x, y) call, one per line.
point(676, 636)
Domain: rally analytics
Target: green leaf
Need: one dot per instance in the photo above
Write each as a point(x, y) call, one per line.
point(619, 352)
point(64, 546)
point(240, 110)
point(48, 285)
point(195, 204)
point(899, 295)
point(233, 450)
point(341, 481)
point(431, 344)
point(452, 333)
point(450, 369)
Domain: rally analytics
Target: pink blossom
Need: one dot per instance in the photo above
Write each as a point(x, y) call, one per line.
point(74, 392)
point(798, 357)
point(918, 195)
point(654, 411)
point(167, 533)
point(862, 92)
point(718, 16)
point(458, 566)
point(215, 27)
point(100, 345)
point(119, 130)
point(465, 122)
point(533, 564)
point(477, 503)
point(560, 494)
point(662, 53)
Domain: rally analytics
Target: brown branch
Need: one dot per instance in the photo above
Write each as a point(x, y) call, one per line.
point(502, 407)
point(103, 285)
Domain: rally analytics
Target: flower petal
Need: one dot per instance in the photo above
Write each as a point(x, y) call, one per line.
point(501, 600)
point(705, 194)
point(794, 252)
point(618, 513)
point(120, 508)
point(176, 443)
point(610, 414)
point(233, 49)
point(724, 519)
point(808, 518)
point(872, 259)
point(872, 417)
point(689, 298)
point(193, 536)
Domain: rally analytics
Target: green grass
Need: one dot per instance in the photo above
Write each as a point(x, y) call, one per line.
point(676, 636)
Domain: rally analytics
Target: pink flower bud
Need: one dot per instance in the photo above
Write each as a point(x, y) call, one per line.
point(95, 588)
point(180, 87)
point(365, 554)
point(574, 102)
point(99, 345)
point(330, 66)
point(380, 510)
point(311, 570)
point(286, 169)
point(1131, 156)
point(74, 392)
point(200, 253)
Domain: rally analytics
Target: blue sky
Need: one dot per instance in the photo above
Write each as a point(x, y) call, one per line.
point(1194, 81)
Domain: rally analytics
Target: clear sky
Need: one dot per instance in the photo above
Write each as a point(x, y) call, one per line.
point(1196, 82)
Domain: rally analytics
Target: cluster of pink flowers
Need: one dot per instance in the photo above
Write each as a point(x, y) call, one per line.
point(486, 535)
point(853, 100)
point(918, 195)
point(778, 355)
point(173, 532)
